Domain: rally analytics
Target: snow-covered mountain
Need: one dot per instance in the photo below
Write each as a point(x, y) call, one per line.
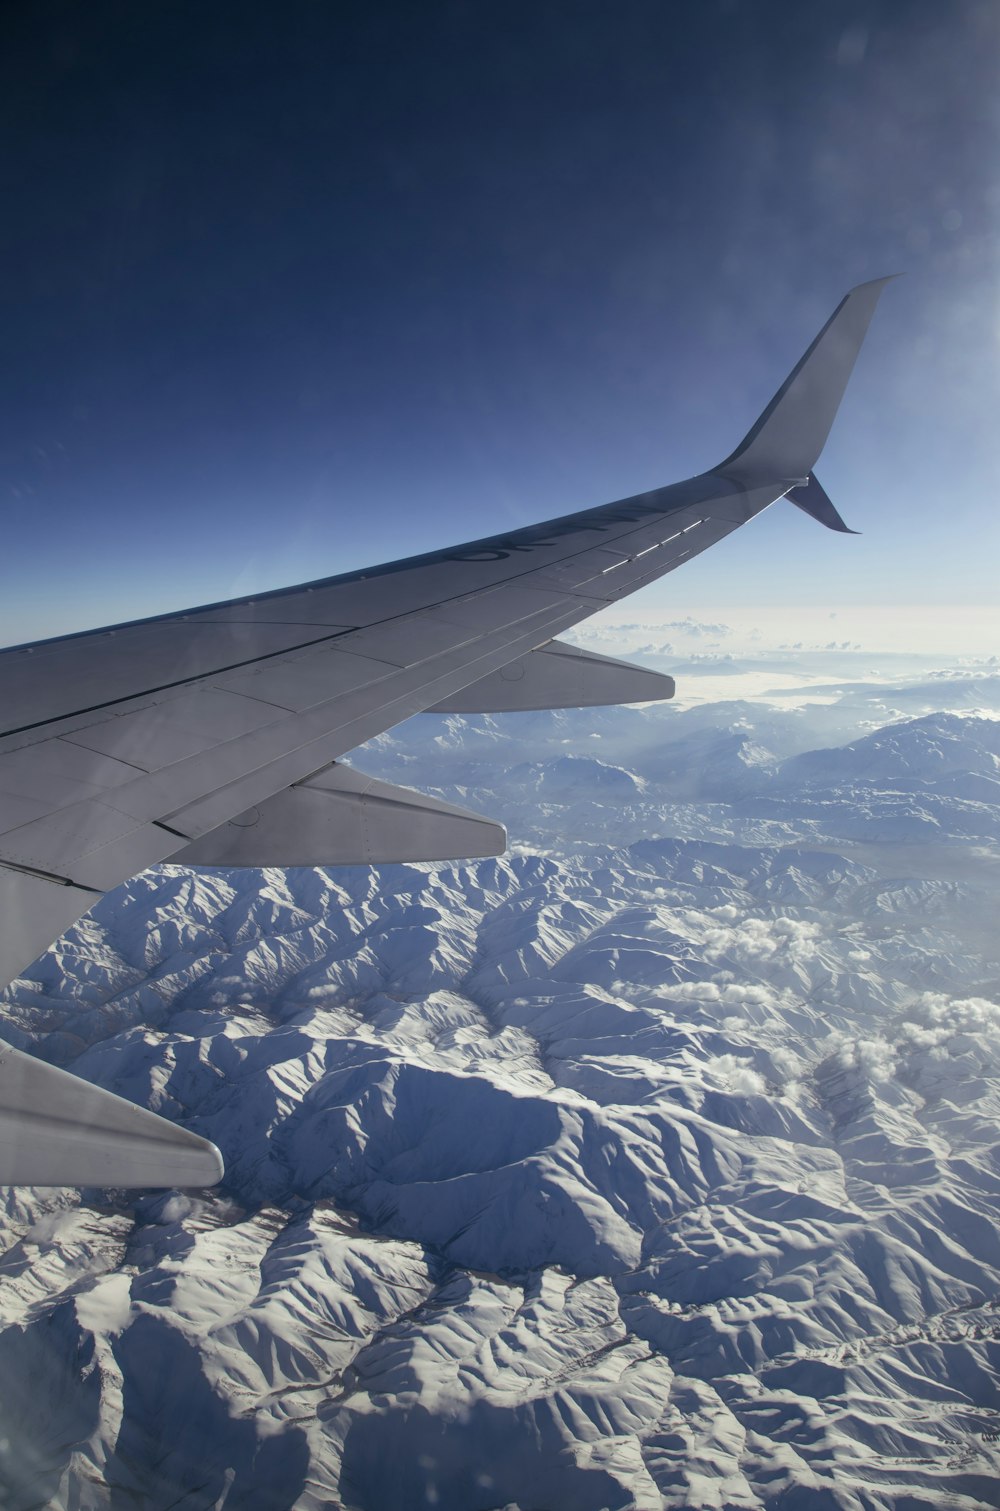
point(654, 1165)
point(963, 752)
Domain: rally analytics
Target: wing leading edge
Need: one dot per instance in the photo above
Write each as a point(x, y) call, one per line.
point(162, 738)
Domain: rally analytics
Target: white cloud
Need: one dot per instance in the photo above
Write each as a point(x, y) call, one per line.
point(875, 1058)
point(788, 1065)
point(736, 1076)
point(934, 1019)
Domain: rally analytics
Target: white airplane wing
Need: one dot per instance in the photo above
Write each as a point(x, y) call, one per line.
point(212, 737)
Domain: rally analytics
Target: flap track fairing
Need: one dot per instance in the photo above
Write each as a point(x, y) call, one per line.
point(558, 675)
point(340, 817)
point(57, 1130)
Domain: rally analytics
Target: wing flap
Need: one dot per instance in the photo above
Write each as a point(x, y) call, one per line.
point(340, 817)
point(558, 675)
point(56, 1130)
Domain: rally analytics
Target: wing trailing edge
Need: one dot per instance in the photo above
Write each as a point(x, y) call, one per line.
point(558, 675)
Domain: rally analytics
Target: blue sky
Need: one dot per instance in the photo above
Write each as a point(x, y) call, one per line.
point(289, 290)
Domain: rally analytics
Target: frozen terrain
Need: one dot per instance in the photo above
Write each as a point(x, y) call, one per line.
point(654, 1165)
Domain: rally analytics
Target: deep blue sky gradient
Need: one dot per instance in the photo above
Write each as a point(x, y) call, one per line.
point(292, 289)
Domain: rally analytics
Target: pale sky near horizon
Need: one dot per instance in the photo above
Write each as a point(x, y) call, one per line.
point(957, 631)
point(288, 293)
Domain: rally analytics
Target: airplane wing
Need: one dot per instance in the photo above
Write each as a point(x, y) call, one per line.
point(212, 737)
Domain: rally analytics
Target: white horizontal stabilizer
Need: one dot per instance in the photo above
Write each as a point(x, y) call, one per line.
point(558, 675)
point(340, 817)
point(56, 1130)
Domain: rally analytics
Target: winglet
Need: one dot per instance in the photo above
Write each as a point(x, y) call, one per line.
point(789, 436)
point(814, 500)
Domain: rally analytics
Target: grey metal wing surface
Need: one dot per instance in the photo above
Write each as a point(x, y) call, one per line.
point(214, 736)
